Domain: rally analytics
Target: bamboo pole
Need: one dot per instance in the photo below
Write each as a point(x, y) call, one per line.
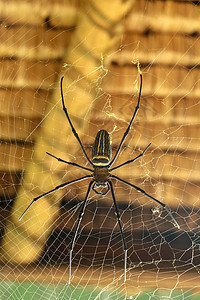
point(99, 30)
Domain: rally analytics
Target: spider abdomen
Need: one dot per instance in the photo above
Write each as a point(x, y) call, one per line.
point(101, 151)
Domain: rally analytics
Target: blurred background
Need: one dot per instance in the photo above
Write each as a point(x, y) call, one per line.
point(100, 48)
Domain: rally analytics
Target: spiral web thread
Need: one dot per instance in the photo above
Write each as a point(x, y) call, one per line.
point(162, 261)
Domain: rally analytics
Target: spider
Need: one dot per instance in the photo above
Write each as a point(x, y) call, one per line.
point(101, 174)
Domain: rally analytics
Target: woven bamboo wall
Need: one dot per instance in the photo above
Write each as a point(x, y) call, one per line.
point(169, 113)
point(168, 55)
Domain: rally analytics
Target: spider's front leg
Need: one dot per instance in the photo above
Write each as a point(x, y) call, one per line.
point(129, 126)
point(70, 123)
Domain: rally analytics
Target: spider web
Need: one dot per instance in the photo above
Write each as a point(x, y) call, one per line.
point(163, 261)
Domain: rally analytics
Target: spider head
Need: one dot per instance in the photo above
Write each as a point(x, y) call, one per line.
point(101, 150)
point(101, 184)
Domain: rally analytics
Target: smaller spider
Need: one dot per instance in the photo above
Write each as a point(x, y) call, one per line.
point(101, 174)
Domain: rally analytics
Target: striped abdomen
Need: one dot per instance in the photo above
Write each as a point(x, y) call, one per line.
point(101, 151)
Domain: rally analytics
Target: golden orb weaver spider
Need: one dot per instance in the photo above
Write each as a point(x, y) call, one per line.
point(101, 174)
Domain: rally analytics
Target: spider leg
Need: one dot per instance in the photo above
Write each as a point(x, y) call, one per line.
point(51, 191)
point(70, 123)
point(120, 227)
point(69, 163)
point(77, 227)
point(131, 160)
point(129, 126)
point(144, 193)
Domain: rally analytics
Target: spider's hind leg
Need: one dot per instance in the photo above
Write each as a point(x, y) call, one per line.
point(77, 228)
point(149, 196)
point(120, 227)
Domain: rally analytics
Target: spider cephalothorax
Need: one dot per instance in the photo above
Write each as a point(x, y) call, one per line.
point(101, 174)
point(101, 177)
